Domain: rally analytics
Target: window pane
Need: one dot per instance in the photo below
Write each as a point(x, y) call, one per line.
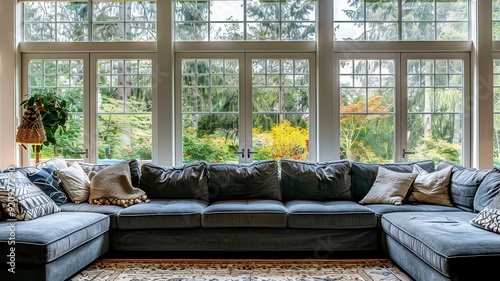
point(69, 21)
point(421, 20)
point(280, 106)
point(367, 110)
point(124, 90)
point(496, 110)
point(55, 22)
point(496, 19)
point(435, 109)
point(210, 100)
point(62, 79)
point(237, 20)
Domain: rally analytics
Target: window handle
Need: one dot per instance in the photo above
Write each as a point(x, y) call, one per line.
point(86, 153)
point(242, 153)
point(249, 153)
point(407, 152)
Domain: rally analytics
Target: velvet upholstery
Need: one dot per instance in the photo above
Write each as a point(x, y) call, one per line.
point(245, 213)
point(464, 185)
point(50, 237)
point(446, 241)
point(329, 215)
point(315, 181)
point(157, 214)
point(487, 190)
point(188, 181)
point(258, 180)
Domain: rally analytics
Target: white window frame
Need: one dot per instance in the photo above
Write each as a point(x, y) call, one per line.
point(245, 96)
point(87, 140)
point(400, 102)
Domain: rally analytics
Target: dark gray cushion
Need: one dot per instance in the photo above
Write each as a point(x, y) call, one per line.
point(364, 175)
point(464, 184)
point(258, 180)
point(110, 210)
point(50, 237)
point(245, 213)
point(487, 190)
point(159, 214)
point(188, 181)
point(134, 165)
point(329, 214)
point(444, 240)
point(302, 180)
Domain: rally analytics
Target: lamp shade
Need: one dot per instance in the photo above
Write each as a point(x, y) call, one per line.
point(31, 129)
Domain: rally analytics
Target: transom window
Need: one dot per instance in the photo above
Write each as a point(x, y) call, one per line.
point(46, 21)
point(241, 20)
point(405, 20)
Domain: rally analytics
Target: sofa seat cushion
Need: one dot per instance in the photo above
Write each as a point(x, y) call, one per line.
point(329, 214)
point(178, 213)
point(381, 209)
point(49, 237)
point(444, 240)
point(245, 213)
point(110, 210)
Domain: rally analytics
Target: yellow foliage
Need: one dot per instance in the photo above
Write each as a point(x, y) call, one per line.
point(285, 141)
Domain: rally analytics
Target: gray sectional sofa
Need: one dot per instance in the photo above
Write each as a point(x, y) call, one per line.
point(261, 207)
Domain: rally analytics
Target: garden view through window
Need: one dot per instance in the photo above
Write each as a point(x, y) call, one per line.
point(237, 105)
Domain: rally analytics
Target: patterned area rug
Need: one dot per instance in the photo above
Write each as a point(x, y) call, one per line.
point(244, 270)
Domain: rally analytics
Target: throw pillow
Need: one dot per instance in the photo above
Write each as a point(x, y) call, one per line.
point(58, 162)
point(301, 180)
point(113, 185)
point(489, 217)
point(75, 182)
point(431, 188)
point(389, 187)
point(363, 175)
point(134, 165)
point(44, 179)
point(23, 200)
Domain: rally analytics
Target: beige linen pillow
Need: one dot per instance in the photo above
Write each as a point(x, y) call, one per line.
point(389, 187)
point(76, 182)
point(431, 188)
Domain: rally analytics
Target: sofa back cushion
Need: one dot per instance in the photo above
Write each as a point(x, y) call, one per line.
point(302, 180)
point(487, 190)
point(188, 181)
point(364, 175)
point(258, 180)
point(464, 184)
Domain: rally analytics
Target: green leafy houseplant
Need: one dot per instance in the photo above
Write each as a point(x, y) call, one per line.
point(54, 115)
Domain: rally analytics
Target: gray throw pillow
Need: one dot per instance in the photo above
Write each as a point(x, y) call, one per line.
point(431, 188)
point(23, 200)
point(363, 175)
point(258, 180)
point(389, 187)
point(489, 218)
point(301, 180)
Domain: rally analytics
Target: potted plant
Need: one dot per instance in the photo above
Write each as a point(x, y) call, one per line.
point(54, 116)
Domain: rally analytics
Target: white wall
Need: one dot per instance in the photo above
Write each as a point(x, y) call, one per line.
point(8, 103)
